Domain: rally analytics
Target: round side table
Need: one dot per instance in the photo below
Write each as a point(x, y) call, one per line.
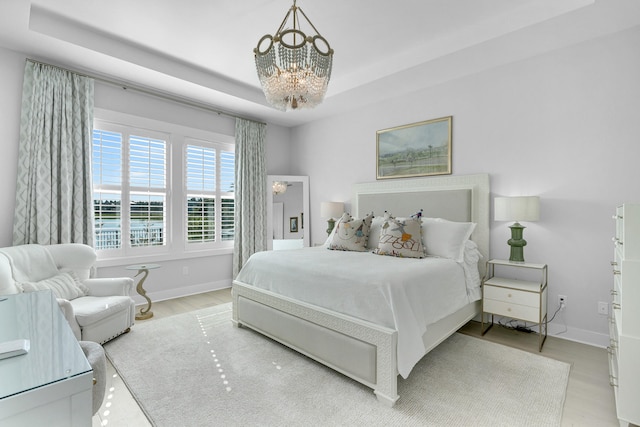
point(145, 313)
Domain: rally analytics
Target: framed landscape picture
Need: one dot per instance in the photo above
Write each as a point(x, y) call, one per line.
point(417, 149)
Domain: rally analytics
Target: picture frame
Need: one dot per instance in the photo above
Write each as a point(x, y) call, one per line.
point(293, 224)
point(416, 149)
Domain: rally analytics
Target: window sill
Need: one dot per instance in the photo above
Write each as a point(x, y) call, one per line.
point(149, 258)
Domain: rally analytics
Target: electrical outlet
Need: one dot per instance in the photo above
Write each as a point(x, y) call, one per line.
point(562, 300)
point(603, 308)
point(185, 271)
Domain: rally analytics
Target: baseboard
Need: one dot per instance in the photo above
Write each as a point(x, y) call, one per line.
point(560, 330)
point(182, 291)
point(583, 336)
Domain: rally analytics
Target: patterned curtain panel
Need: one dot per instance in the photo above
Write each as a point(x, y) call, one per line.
point(53, 192)
point(250, 188)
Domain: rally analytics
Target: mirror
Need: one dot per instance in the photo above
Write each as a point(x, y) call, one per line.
point(288, 212)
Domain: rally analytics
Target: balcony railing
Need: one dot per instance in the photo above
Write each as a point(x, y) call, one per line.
point(111, 238)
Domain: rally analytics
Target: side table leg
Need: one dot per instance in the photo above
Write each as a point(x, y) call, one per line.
point(541, 338)
point(482, 329)
point(145, 313)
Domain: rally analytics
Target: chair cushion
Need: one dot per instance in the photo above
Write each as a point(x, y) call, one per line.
point(89, 310)
point(63, 285)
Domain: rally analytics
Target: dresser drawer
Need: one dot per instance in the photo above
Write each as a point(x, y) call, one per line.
point(517, 311)
point(512, 296)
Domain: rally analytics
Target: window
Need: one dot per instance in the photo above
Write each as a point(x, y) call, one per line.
point(201, 193)
point(137, 180)
point(107, 188)
point(142, 208)
point(147, 191)
point(209, 177)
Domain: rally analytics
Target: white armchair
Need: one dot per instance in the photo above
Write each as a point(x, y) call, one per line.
point(97, 309)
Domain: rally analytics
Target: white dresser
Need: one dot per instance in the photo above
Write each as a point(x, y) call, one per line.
point(51, 384)
point(624, 328)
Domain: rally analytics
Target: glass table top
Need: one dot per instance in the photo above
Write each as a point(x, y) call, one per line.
point(54, 353)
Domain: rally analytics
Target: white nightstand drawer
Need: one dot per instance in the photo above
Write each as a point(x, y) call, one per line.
point(523, 312)
point(525, 300)
point(512, 296)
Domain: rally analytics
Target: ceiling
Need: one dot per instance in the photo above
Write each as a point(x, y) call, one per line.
point(202, 50)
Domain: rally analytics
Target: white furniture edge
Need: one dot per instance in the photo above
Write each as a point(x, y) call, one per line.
point(384, 340)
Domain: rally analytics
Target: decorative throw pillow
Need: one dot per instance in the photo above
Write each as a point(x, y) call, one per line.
point(400, 237)
point(351, 234)
point(345, 217)
point(445, 238)
point(64, 285)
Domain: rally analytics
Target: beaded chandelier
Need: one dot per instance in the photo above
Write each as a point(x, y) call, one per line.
point(294, 69)
point(279, 187)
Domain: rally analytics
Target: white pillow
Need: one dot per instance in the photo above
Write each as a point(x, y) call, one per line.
point(400, 237)
point(64, 285)
point(345, 217)
point(374, 232)
point(351, 234)
point(445, 238)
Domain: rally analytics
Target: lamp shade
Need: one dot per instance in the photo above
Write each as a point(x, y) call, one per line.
point(331, 209)
point(525, 208)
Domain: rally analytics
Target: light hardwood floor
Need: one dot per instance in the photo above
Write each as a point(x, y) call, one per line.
point(589, 400)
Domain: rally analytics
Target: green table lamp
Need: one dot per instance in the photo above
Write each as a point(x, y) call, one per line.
point(523, 208)
point(331, 210)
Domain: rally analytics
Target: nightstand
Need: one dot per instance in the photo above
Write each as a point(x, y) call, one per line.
point(518, 299)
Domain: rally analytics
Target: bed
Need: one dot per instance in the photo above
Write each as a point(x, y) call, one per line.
point(370, 348)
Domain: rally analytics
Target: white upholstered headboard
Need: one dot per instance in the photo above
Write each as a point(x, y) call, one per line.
point(453, 197)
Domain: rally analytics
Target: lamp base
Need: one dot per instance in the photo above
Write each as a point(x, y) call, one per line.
point(331, 223)
point(517, 243)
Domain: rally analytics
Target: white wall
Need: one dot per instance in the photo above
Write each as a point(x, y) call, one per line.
point(204, 273)
point(563, 126)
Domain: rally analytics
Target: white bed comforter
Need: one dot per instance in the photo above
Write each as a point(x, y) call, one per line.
point(403, 294)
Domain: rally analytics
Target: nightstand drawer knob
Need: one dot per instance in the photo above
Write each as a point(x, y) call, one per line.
point(509, 309)
point(509, 295)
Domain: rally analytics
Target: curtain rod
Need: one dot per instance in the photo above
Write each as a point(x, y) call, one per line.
point(156, 94)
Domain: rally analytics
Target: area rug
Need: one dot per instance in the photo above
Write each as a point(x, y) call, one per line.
point(196, 369)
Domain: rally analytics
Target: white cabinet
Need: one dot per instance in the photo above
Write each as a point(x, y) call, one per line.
point(624, 327)
point(51, 384)
point(519, 299)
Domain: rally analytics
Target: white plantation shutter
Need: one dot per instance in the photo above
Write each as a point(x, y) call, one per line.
point(161, 191)
point(148, 188)
point(201, 192)
point(209, 176)
point(107, 188)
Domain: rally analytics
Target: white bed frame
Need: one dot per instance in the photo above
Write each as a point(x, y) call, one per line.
point(362, 350)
